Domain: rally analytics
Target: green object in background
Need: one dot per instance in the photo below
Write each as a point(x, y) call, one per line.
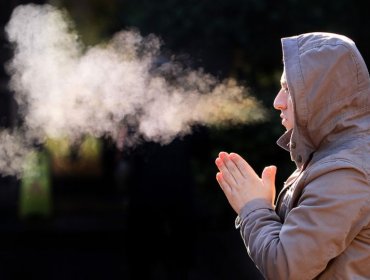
point(35, 192)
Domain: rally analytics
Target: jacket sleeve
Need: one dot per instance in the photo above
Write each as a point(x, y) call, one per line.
point(329, 214)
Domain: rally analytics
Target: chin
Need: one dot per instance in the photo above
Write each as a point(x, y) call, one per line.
point(288, 127)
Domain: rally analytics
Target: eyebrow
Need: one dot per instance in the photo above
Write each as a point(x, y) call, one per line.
point(283, 82)
point(284, 85)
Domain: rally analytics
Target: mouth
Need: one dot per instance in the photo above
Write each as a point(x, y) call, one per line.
point(283, 120)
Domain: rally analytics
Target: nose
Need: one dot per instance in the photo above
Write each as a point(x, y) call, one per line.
point(281, 100)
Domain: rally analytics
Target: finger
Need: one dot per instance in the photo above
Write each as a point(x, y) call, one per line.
point(268, 176)
point(233, 169)
point(225, 172)
point(245, 169)
point(222, 154)
point(223, 184)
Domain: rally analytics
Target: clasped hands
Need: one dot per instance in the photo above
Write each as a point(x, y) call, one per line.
point(241, 184)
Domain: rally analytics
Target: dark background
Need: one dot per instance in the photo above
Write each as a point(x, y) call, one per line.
point(156, 212)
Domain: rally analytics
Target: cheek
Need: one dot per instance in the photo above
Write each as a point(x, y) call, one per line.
point(291, 108)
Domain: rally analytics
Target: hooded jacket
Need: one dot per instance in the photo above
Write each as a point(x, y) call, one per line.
point(320, 228)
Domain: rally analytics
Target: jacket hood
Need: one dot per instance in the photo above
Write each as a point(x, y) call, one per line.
point(330, 88)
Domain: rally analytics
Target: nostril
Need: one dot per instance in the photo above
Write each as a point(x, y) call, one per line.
point(280, 102)
point(278, 105)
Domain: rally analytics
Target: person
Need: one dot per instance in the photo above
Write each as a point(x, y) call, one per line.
point(320, 225)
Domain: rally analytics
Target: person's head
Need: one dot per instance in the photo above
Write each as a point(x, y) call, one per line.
point(325, 92)
point(283, 102)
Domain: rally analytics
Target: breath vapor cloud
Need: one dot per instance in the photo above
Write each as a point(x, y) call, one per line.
point(65, 89)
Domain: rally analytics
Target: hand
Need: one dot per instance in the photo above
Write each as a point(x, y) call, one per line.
point(241, 184)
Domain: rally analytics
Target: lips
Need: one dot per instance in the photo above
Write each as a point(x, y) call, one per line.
point(283, 119)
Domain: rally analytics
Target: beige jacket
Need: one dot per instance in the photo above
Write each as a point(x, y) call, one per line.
point(320, 228)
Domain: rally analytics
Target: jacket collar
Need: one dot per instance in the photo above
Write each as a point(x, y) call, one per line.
point(284, 140)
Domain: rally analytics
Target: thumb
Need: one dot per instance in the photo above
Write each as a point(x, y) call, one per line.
point(268, 176)
point(268, 180)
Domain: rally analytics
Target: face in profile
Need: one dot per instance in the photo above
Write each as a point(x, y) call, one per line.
point(283, 102)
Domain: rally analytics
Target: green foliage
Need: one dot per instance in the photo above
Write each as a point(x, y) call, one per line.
point(35, 193)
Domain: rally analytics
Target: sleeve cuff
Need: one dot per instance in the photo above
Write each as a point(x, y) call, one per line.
point(250, 207)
